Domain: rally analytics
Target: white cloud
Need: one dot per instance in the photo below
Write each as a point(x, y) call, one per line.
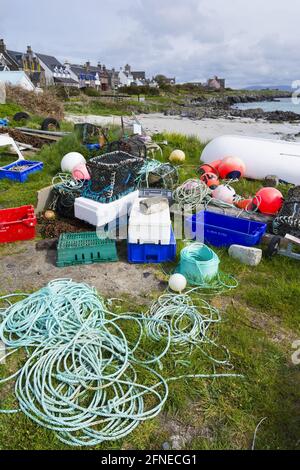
point(246, 42)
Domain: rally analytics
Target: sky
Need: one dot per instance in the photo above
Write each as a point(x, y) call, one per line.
point(248, 42)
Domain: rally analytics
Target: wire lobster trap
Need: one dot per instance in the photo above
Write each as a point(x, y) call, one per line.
point(113, 173)
point(288, 220)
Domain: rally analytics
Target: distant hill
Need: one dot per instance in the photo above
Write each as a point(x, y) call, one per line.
point(270, 87)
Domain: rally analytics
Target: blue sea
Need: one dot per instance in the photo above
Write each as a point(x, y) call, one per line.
point(283, 104)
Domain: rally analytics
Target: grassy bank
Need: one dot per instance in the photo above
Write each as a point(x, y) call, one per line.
point(261, 319)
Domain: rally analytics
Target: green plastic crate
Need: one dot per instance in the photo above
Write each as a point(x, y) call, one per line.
point(85, 248)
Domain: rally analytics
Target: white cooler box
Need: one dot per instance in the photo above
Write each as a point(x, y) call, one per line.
point(146, 229)
point(99, 214)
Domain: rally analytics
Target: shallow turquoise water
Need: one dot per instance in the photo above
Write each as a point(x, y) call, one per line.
point(284, 104)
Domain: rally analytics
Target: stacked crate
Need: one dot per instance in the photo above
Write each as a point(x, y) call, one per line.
point(150, 236)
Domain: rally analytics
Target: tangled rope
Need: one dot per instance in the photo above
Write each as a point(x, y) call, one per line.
point(81, 378)
point(89, 375)
point(66, 189)
point(67, 182)
point(192, 193)
point(164, 172)
point(189, 323)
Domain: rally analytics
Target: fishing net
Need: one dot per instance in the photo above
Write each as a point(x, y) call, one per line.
point(133, 145)
point(113, 173)
point(288, 220)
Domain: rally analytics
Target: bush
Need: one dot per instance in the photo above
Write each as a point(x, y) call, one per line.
point(42, 104)
point(65, 93)
point(92, 92)
point(139, 90)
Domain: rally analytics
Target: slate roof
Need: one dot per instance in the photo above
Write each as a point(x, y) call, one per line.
point(50, 61)
point(16, 57)
point(139, 75)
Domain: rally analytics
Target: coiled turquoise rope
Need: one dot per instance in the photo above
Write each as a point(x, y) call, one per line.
point(189, 322)
point(82, 378)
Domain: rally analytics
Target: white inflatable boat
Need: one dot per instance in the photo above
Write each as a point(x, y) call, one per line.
point(262, 157)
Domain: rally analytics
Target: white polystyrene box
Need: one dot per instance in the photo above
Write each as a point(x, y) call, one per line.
point(99, 214)
point(152, 228)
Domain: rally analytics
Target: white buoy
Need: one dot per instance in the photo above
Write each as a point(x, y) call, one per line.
point(71, 160)
point(224, 193)
point(177, 283)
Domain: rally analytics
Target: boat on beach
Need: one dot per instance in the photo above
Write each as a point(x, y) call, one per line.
point(262, 157)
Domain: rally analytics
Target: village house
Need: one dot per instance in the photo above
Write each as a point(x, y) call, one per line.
point(55, 72)
point(42, 70)
point(45, 70)
point(89, 76)
point(128, 77)
point(216, 83)
point(7, 58)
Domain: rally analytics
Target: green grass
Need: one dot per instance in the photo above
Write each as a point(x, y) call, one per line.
point(8, 110)
point(261, 319)
point(100, 107)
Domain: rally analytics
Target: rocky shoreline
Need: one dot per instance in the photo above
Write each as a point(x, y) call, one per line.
point(222, 107)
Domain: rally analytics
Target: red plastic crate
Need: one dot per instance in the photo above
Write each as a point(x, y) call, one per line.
point(17, 224)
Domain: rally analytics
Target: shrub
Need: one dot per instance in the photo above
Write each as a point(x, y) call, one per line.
point(65, 93)
point(139, 90)
point(42, 104)
point(92, 92)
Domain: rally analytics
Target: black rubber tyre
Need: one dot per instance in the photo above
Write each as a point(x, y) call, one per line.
point(48, 123)
point(273, 247)
point(21, 117)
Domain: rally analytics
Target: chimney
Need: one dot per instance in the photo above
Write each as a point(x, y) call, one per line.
point(2, 46)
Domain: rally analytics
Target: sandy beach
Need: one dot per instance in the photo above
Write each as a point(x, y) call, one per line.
point(205, 129)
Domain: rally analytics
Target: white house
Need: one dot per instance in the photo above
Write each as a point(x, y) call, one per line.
point(125, 77)
point(17, 78)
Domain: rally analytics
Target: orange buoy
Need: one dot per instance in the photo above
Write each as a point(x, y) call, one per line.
point(268, 201)
point(244, 204)
point(211, 180)
point(232, 168)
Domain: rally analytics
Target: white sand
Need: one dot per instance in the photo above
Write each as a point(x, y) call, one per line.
point(205, 129)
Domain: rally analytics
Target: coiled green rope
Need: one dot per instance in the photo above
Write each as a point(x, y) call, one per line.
point(192, 193)
point(197, 271)
point(84, 377)
point(189, 321)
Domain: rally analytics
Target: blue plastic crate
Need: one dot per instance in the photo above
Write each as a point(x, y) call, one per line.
point(22, 175)
point(223, 230)
point(152, 254)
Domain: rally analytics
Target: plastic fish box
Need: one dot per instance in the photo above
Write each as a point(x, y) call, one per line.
point(20, 175)
point(85, 248)
point(151, 253)
point(223, 230)
point(149, 229)
point(17, 224)
point(99, 214)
